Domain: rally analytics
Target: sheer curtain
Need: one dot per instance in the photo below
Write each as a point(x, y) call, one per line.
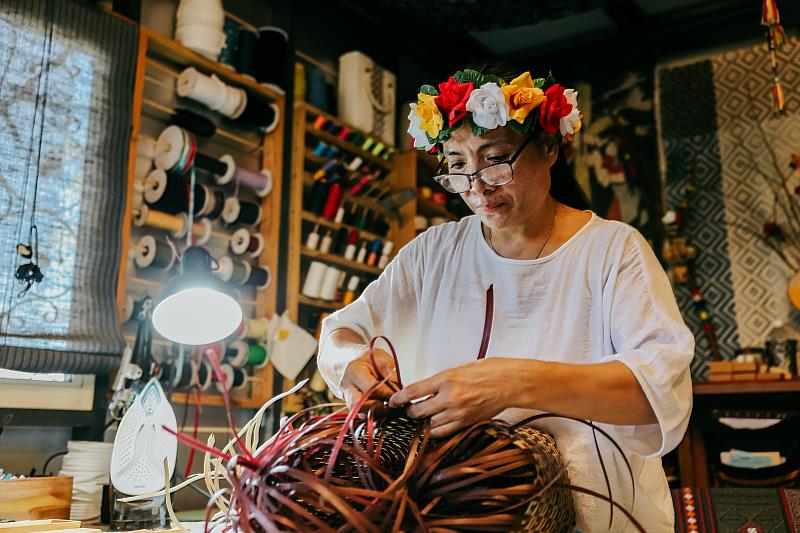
point(66, 77)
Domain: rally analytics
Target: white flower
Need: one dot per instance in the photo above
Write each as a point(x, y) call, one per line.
point(573, 119)
point(415, 130)
point(488, 106)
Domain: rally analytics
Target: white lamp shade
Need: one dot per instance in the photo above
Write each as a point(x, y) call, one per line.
point(197, 316)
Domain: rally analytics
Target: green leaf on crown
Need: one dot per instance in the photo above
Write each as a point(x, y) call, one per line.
point(528, 124)
point(517, 127)
point(469, 75)
point(429, 90)
point(446, 132)
point(476, 130)
point(539, 82)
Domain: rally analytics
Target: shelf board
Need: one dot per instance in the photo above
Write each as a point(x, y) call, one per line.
point(341, 122)
point(216, 400)
point(179, 54)
point(314, 158)
point(427, 207)
point(146, 281)
point(322, 221)
point(347, 147)
point(341, 261)
point(746, 387)
point(316, 302)
point(160, 284)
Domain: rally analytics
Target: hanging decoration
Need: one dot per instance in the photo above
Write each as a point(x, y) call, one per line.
point(680, 255)
point(775, 39)
point(29, 273)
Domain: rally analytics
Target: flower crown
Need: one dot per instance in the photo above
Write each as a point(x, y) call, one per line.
point(489, 102)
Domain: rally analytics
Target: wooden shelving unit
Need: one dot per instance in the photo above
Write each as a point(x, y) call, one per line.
point(322, 221)
point(304, 163)
point(431, 209)
point(159, 61)
point(746, 387)
point(417, 168)
point(347, 147)
point(342, 262)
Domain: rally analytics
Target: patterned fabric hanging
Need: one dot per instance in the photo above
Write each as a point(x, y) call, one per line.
point(775, 39)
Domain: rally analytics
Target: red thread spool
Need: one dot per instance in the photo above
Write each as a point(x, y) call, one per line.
point(332, 202)
point(439, 198)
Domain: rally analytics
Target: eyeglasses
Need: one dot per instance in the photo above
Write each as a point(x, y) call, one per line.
point(494, 175)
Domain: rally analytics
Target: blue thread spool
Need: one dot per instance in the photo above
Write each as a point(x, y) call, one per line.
point(332, 151)
point(246, 53)
point(316, 88)
point(228, 54)
point(321, 148)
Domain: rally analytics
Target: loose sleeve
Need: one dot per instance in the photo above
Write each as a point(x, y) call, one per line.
point(649, 336)
point(388, 307)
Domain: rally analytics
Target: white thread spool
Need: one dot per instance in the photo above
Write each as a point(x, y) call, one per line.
point(146, 147)
point(143, 166)
point(312, 241)
point(199, 26)
point(151, 253)
point(388, 246)
point(137, 200)
point(209, 91)
point(243, 242)
point(232, 102)
point(330, 282)
point(239, 348)
point(313, 282)
point(257, 328)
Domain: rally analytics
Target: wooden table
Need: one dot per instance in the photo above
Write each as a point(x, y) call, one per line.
point(692, 460)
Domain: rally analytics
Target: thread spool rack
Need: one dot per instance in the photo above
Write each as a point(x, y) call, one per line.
point(159, 63)
point(346, 145)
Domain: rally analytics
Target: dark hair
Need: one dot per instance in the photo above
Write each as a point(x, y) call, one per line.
point(563, 186)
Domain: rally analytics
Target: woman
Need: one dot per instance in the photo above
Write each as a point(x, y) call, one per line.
point(585, 323)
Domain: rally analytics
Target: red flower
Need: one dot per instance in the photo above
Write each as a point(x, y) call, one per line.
point(452, 99)
point(553, 109)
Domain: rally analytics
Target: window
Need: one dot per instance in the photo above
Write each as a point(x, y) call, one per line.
point(66, 77)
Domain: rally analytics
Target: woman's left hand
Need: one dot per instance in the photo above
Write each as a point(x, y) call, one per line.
point(460, 396)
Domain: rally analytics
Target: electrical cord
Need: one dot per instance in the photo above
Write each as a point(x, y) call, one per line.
point(97, 436)
point(47, 462)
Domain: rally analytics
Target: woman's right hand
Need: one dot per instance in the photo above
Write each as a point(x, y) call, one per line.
point(360, 375)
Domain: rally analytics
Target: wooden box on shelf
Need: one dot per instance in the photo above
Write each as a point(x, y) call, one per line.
point(727, 371)
point(36, 497)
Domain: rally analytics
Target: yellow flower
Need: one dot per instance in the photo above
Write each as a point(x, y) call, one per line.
point(431, 120)
point(522, 97)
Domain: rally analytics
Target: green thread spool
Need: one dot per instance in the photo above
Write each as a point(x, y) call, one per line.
point(257, 355)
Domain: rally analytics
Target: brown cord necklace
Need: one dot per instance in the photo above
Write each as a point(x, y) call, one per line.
point(552, 227)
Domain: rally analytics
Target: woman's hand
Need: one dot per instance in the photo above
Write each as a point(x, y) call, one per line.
point(460, 396)
point(360, 375)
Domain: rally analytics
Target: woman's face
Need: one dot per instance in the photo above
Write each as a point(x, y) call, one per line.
point(516, 202)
